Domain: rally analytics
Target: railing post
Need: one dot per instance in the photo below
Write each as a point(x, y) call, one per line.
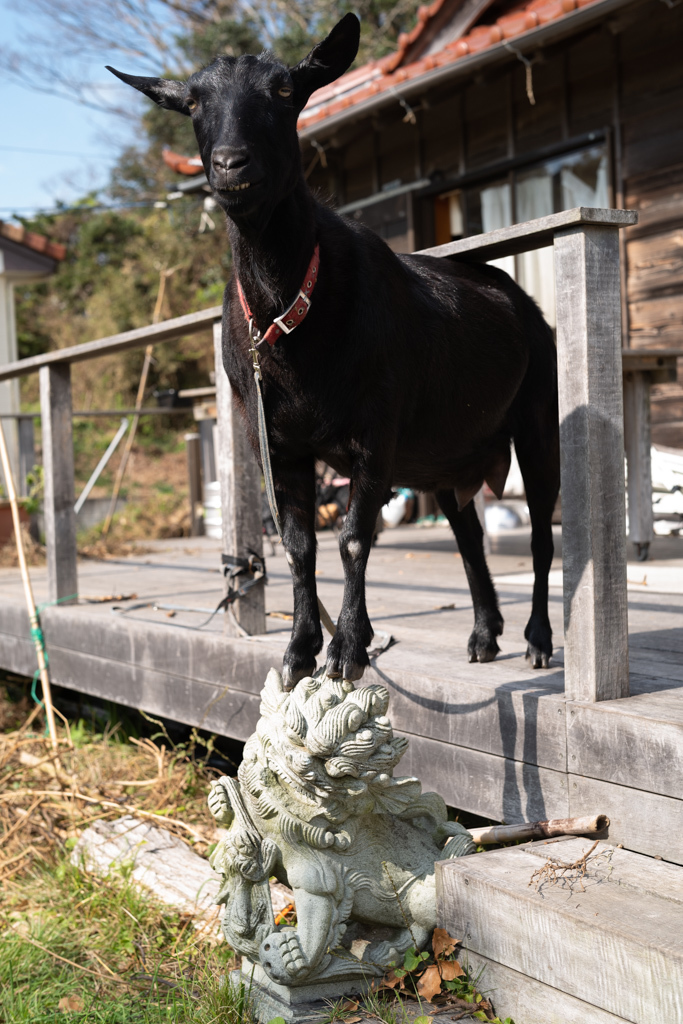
point(27, 452)
point(587, 285)
point(194, 478)
point(638, 459)
point(58, 468)
point(240, 480)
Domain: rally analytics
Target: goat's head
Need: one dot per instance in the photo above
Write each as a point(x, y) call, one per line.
point(245, 110)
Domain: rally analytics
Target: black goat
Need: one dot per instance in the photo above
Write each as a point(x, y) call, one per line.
point(408, 370)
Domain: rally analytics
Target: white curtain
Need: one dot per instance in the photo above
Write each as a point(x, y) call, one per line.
point(584, 182)
point(536, 270)
point(496, 212)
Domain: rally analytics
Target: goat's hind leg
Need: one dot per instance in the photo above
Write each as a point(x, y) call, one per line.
point(488, 622)
point(539, 461)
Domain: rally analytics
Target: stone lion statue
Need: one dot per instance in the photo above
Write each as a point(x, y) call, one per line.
point(316, 804)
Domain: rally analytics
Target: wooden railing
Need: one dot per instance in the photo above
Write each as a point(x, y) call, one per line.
point(587, 283)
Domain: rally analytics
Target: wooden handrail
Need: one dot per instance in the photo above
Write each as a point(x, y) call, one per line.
point(192, 323)
point(532, 234)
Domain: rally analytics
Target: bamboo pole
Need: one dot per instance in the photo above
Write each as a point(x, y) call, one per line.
point(164, 274)
point(539, 829)
point(28, 591)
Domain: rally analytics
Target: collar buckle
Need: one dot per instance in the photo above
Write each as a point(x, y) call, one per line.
point(287, 325)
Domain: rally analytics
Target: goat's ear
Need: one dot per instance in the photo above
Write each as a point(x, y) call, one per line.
point(163, 91)
point(326, 61)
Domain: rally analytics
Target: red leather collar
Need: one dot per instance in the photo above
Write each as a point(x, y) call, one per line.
point(296, 311)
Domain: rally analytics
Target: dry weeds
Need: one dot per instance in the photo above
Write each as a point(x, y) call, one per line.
point(566, 875)
point(48, 798)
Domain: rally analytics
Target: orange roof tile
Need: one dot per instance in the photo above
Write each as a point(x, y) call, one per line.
point(39, 243)
point(519, 19)
point(182, 164)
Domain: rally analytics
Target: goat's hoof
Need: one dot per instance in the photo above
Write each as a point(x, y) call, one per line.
point(482, 645)
point(537, 658)
point(539, 637)
point(346, 659)
point(291, 676)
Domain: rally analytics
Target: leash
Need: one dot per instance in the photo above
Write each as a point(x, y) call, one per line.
point(256, 339)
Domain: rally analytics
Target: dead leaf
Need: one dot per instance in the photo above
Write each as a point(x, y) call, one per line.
point(442, 943)
point(390, 980)
point(352, 1020)
point(350, 1004)
point(70, 1004)
point(358, 947)
point(430, 983)
point(450, 970)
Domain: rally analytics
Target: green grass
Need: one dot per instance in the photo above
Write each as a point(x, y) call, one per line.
point(136, 961)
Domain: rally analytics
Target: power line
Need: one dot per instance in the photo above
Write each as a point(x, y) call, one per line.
point(144, 204)
point(48, 152)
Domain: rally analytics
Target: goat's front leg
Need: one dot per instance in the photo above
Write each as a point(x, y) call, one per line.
point(295, 494)
point(346, 654)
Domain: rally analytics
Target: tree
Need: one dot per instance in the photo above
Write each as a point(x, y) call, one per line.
point(174, 36)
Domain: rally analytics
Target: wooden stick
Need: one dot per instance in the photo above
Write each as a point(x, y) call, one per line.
point(129, 441)
point(164, 274)
point(539, 829)
point(28, 591)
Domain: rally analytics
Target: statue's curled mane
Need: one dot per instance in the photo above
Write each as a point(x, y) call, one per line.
point(327, 750)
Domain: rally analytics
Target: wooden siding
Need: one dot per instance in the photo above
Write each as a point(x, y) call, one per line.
point(485, 111)
point(651, 105)
point(442, 136)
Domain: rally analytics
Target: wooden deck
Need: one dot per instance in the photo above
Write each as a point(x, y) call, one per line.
point(500, 739)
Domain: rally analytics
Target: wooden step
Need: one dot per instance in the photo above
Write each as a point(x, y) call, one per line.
point(598, 943)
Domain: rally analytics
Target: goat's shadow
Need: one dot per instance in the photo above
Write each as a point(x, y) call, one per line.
point(520, 795)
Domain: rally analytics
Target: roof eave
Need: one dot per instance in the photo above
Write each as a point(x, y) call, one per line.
point(552, 31)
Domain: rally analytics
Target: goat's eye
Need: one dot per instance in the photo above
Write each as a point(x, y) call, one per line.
point(192, 105)
point(285, 92)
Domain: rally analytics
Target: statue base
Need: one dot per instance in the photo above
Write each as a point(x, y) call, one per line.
point(294, 1003)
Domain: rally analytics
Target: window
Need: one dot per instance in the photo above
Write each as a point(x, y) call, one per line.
point(574, 179)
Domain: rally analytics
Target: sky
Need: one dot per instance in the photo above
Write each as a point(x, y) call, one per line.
point(31, 120)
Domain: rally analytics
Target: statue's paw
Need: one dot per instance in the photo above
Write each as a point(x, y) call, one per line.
point(459, 842)
point(219, 805)
point(383, 953)
point(282, 957)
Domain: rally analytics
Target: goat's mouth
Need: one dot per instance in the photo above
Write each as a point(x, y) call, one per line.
point(238, 189)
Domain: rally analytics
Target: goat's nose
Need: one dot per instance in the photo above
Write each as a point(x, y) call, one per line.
point(225, 159)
